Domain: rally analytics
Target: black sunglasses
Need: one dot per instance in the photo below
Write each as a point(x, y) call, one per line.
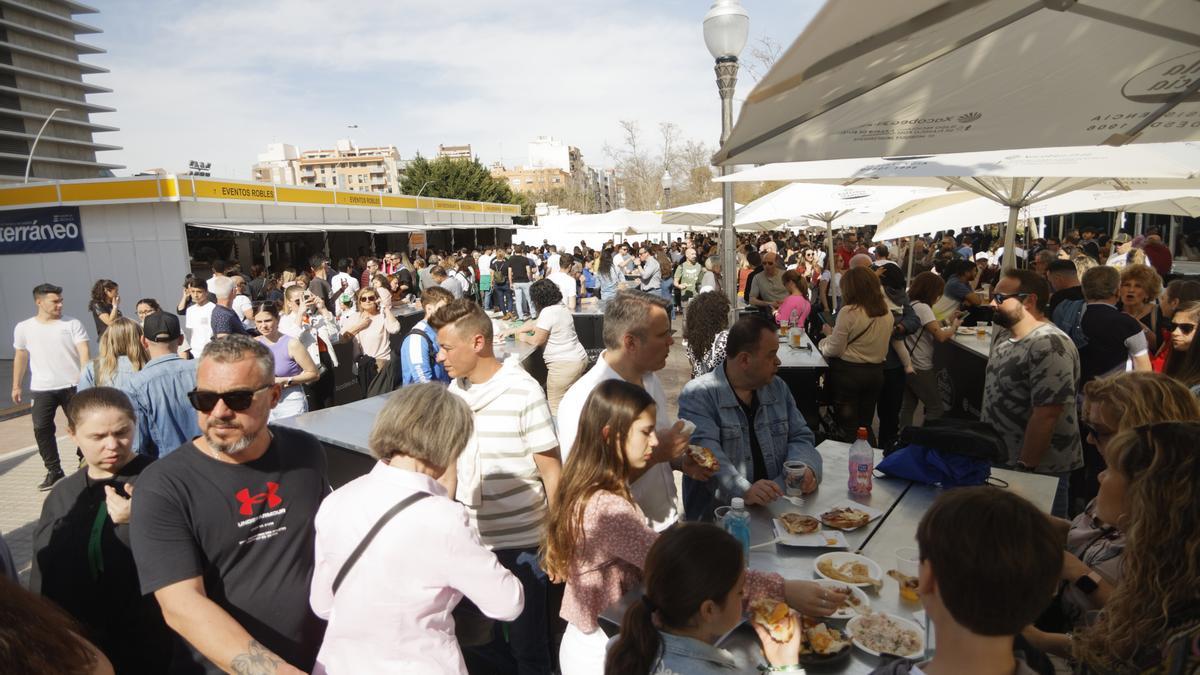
point(237, 400)
point(1185, 328)
point(1001, 297)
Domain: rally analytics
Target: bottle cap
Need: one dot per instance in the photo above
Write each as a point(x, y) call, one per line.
point(737, 503)
point(862, 433)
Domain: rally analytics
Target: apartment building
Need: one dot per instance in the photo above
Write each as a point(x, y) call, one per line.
point(346, 166)
point(455, 151)
point(41, 78)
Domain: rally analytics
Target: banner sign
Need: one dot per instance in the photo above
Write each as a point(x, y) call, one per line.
point(49, 230)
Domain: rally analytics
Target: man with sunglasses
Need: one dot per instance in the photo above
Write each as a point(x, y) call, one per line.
point(222, 528)
point(1029, 391)
point(767, 290)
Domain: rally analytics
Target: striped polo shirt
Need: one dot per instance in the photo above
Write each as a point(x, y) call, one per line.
point(507, 503)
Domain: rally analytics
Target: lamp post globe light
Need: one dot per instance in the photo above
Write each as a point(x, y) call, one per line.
point(667, 183)
point(726, 29)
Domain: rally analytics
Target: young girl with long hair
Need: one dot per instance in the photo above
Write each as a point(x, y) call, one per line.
point(695, 580)
point(121, 355)
point(597, 538)
point(1183, 363)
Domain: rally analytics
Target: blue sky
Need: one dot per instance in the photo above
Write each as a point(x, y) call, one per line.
point(219, 80)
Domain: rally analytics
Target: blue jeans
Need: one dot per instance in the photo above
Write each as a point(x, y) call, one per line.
point(522, 299)
point(502, 297)
point(1061, 494)
point(527, 649)
point(666, 291)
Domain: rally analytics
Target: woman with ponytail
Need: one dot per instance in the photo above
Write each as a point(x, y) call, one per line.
point(695, 579)
point(597, 539)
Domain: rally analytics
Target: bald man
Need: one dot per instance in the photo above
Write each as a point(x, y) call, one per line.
point(767, 289)
point(860, 260)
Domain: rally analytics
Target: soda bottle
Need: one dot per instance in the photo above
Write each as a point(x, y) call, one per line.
point(862, 464)
point(737, 523)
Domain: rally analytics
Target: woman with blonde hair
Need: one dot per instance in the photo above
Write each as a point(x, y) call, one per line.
point(1151, 490)
point(1096, 542)
point(121, 355)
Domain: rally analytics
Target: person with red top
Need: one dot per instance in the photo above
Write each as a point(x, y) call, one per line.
point(597, 539)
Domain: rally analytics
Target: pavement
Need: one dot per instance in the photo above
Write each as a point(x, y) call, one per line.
point(21, 467)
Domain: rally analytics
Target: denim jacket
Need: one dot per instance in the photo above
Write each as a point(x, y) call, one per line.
point(687, 656)
point(721, 426)
point(159, 393)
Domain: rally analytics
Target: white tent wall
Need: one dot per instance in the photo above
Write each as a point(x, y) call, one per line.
point(142, 247)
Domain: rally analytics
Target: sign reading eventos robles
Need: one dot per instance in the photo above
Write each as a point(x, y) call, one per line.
point(47, 230)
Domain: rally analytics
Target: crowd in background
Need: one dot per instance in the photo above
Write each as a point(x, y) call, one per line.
point(503, 516)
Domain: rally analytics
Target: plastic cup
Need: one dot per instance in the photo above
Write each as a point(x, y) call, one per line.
point(796, 339)
point(908, 563)
point(783, 329)
point(719, 515)
point(981, 330)
point(793, 477)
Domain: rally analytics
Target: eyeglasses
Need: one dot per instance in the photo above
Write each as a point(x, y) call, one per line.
point(1185, 328)
point(999, 298)
point(236, 400)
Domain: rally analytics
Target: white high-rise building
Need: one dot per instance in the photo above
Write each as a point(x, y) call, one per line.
point(278, 165)
point(547, 152)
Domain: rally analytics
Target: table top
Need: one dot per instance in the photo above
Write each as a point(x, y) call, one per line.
point(790, 357)
point(345, 426)
point(975, 345)
point(409, 309)
point(511, 347)
point(902, 503)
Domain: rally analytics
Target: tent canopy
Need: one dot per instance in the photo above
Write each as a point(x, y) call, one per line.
point(701, 213)
point(940, 76)
point(846, 205)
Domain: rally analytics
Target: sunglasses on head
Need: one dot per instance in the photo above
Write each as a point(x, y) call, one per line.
point(237, 400)
point(1001, 297)
point(1185, 328)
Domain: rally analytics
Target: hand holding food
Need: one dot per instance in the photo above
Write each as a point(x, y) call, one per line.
point(815, 599)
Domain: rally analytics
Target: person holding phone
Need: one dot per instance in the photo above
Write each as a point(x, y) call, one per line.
point(81, 553)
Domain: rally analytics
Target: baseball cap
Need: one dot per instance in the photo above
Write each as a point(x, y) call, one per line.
point(161, 327)
point(1122, 237)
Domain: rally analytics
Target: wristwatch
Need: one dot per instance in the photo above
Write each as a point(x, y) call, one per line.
point(1088, 583)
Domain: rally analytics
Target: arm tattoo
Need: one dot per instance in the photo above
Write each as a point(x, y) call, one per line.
point(257, 660)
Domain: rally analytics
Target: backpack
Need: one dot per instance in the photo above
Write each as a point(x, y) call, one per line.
point(1068, 316)
point(500, 270)
point(467, 282)
point(428, 344)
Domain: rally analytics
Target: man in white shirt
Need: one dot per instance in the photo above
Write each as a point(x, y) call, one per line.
point(637, 340)
point(484, 264)
point(198, 318)
point(561, 276)
point(553, 261)
point(344, 282)
point(55, 348)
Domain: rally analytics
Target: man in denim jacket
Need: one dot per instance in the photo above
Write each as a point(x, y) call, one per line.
point(725, 404)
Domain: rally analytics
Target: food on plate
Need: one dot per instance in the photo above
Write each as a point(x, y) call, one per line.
point(775, 617)
point(704, 457)
point(845, 518)
point(880, 633)
point(908, 585)
point(852, 603)
point(851, 572)
point(821, 640)
point(798, 523)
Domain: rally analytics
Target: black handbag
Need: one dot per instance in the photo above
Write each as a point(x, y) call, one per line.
point(970, 438)
point(471, 627)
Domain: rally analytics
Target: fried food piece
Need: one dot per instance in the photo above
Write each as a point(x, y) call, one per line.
point(775, 617)
point(798, 523)
point(845, 518)
point(704, 457)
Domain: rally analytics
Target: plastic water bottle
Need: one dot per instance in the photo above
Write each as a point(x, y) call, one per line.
point(737, 523)
point(862, 464)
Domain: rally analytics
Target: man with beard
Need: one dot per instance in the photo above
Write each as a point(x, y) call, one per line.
point(222, 528)
point(1032, 377)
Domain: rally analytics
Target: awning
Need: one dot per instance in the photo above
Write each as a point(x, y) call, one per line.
point(308, 228)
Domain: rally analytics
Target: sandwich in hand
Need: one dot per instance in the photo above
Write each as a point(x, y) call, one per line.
point(704, 457)
point(775, 617)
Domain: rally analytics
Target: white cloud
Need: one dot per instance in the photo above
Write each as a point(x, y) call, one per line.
point(219, 80)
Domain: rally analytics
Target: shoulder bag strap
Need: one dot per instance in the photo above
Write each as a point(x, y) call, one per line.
point(362, 545)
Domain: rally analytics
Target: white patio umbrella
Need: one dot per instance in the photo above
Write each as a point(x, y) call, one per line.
point(1014, 178)
point(701, 213)
point(939, 76)
point(964, 209)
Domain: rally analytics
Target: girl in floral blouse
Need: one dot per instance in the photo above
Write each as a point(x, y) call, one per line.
point(597, 538)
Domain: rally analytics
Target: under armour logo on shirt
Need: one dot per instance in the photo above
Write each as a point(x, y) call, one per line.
point(248, 500)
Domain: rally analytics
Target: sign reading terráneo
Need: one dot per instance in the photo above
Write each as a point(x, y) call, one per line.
point(46, 230)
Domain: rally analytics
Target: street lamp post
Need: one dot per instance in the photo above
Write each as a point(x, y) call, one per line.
point(726, 27)
point(32, 148)
point(666, 186)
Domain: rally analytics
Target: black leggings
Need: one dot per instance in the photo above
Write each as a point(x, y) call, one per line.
point(856, 388)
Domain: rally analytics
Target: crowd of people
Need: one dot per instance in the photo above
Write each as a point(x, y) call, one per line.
point(503, 516)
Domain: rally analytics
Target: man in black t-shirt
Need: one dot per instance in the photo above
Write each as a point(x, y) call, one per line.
point(223, 527)
point(520, 275)
point(319, 286)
